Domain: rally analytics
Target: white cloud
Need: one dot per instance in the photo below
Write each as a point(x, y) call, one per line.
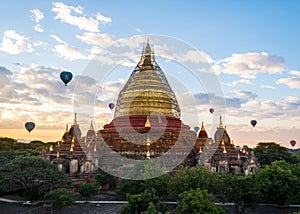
point(246, 95)
point(247, 65)
point(296, 73)
point(103, 19)
point(267, 86)
point(291, 82)
point(63, 13)
point(96, 38)
point(68, 52)
point(40, 43)
point(292, 99)
point(138, 30)
point(14, 43)
point(37, 16)
point(59, 40)
point(241, 81)
point(38, 28)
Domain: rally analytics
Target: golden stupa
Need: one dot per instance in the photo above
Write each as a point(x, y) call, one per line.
point(147, 91)
point(147, 115)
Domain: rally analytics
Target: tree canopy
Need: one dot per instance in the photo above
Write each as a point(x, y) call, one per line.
point(32, 175)
point(267, 152)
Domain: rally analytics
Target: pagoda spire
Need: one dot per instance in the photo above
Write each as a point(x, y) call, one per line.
point(202, 127)
point(75, 120)
point(147, 48)
point(91, 126)
point(147, 124)
point(67, 127)
point(220, 124)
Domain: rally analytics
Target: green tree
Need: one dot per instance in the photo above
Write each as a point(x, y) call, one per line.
point(88, 189)
point(32, 175)
point(139, 203)
point(295, 197)
point(130, 187)
point(276, 182)
point(268, 152)
point(242, 190)
point(197, 201)
point(192, 178)
point(103, 178)
point(60, 197)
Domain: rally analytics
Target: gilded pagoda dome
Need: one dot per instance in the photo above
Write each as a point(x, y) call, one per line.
point(147, 91)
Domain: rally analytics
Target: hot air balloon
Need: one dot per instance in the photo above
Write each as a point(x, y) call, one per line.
point(66, 77)
point(111, 106)
point(196, 128)
point(253, 123)
point(29, 126)
point(293, 143)
point(211, 110)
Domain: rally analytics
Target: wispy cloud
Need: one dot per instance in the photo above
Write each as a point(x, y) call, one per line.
point(267, 86)
point(37, 16)
point(291, 82)
point(64, 13)
point(103, 19)
point(66, 51)
point(241, 81)
point(247, 65)
point(99, 39)
point(14, 43)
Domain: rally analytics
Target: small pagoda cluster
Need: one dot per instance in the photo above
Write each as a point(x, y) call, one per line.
point(74, 154)
point(221, 155)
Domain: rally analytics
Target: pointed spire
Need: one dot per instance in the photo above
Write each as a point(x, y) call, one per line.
point(220, 124)
point(148, 140)
point(148, 154)
point(67, 127)
point(72, 147)
point(75, 119)
point(147, 124)
point(91, 126)
point(202, 127)
point(200, 151)
point(225, 128)
point(147, 48)
point(224, 150)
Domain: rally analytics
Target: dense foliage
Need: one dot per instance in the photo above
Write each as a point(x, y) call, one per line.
point(88, 189)
point(31, 175)
point(60, 197)
point(268, 152)
point(197, 201)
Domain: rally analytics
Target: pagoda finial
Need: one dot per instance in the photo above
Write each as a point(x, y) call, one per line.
point(147, 124)
point(147, 49)
point(220, 124)
point(67, 127)
point(91, 126)
point(148, 140)
point(75, 119)
point(202, 127)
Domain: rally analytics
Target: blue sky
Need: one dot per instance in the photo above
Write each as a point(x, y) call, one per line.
point(253, 47)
